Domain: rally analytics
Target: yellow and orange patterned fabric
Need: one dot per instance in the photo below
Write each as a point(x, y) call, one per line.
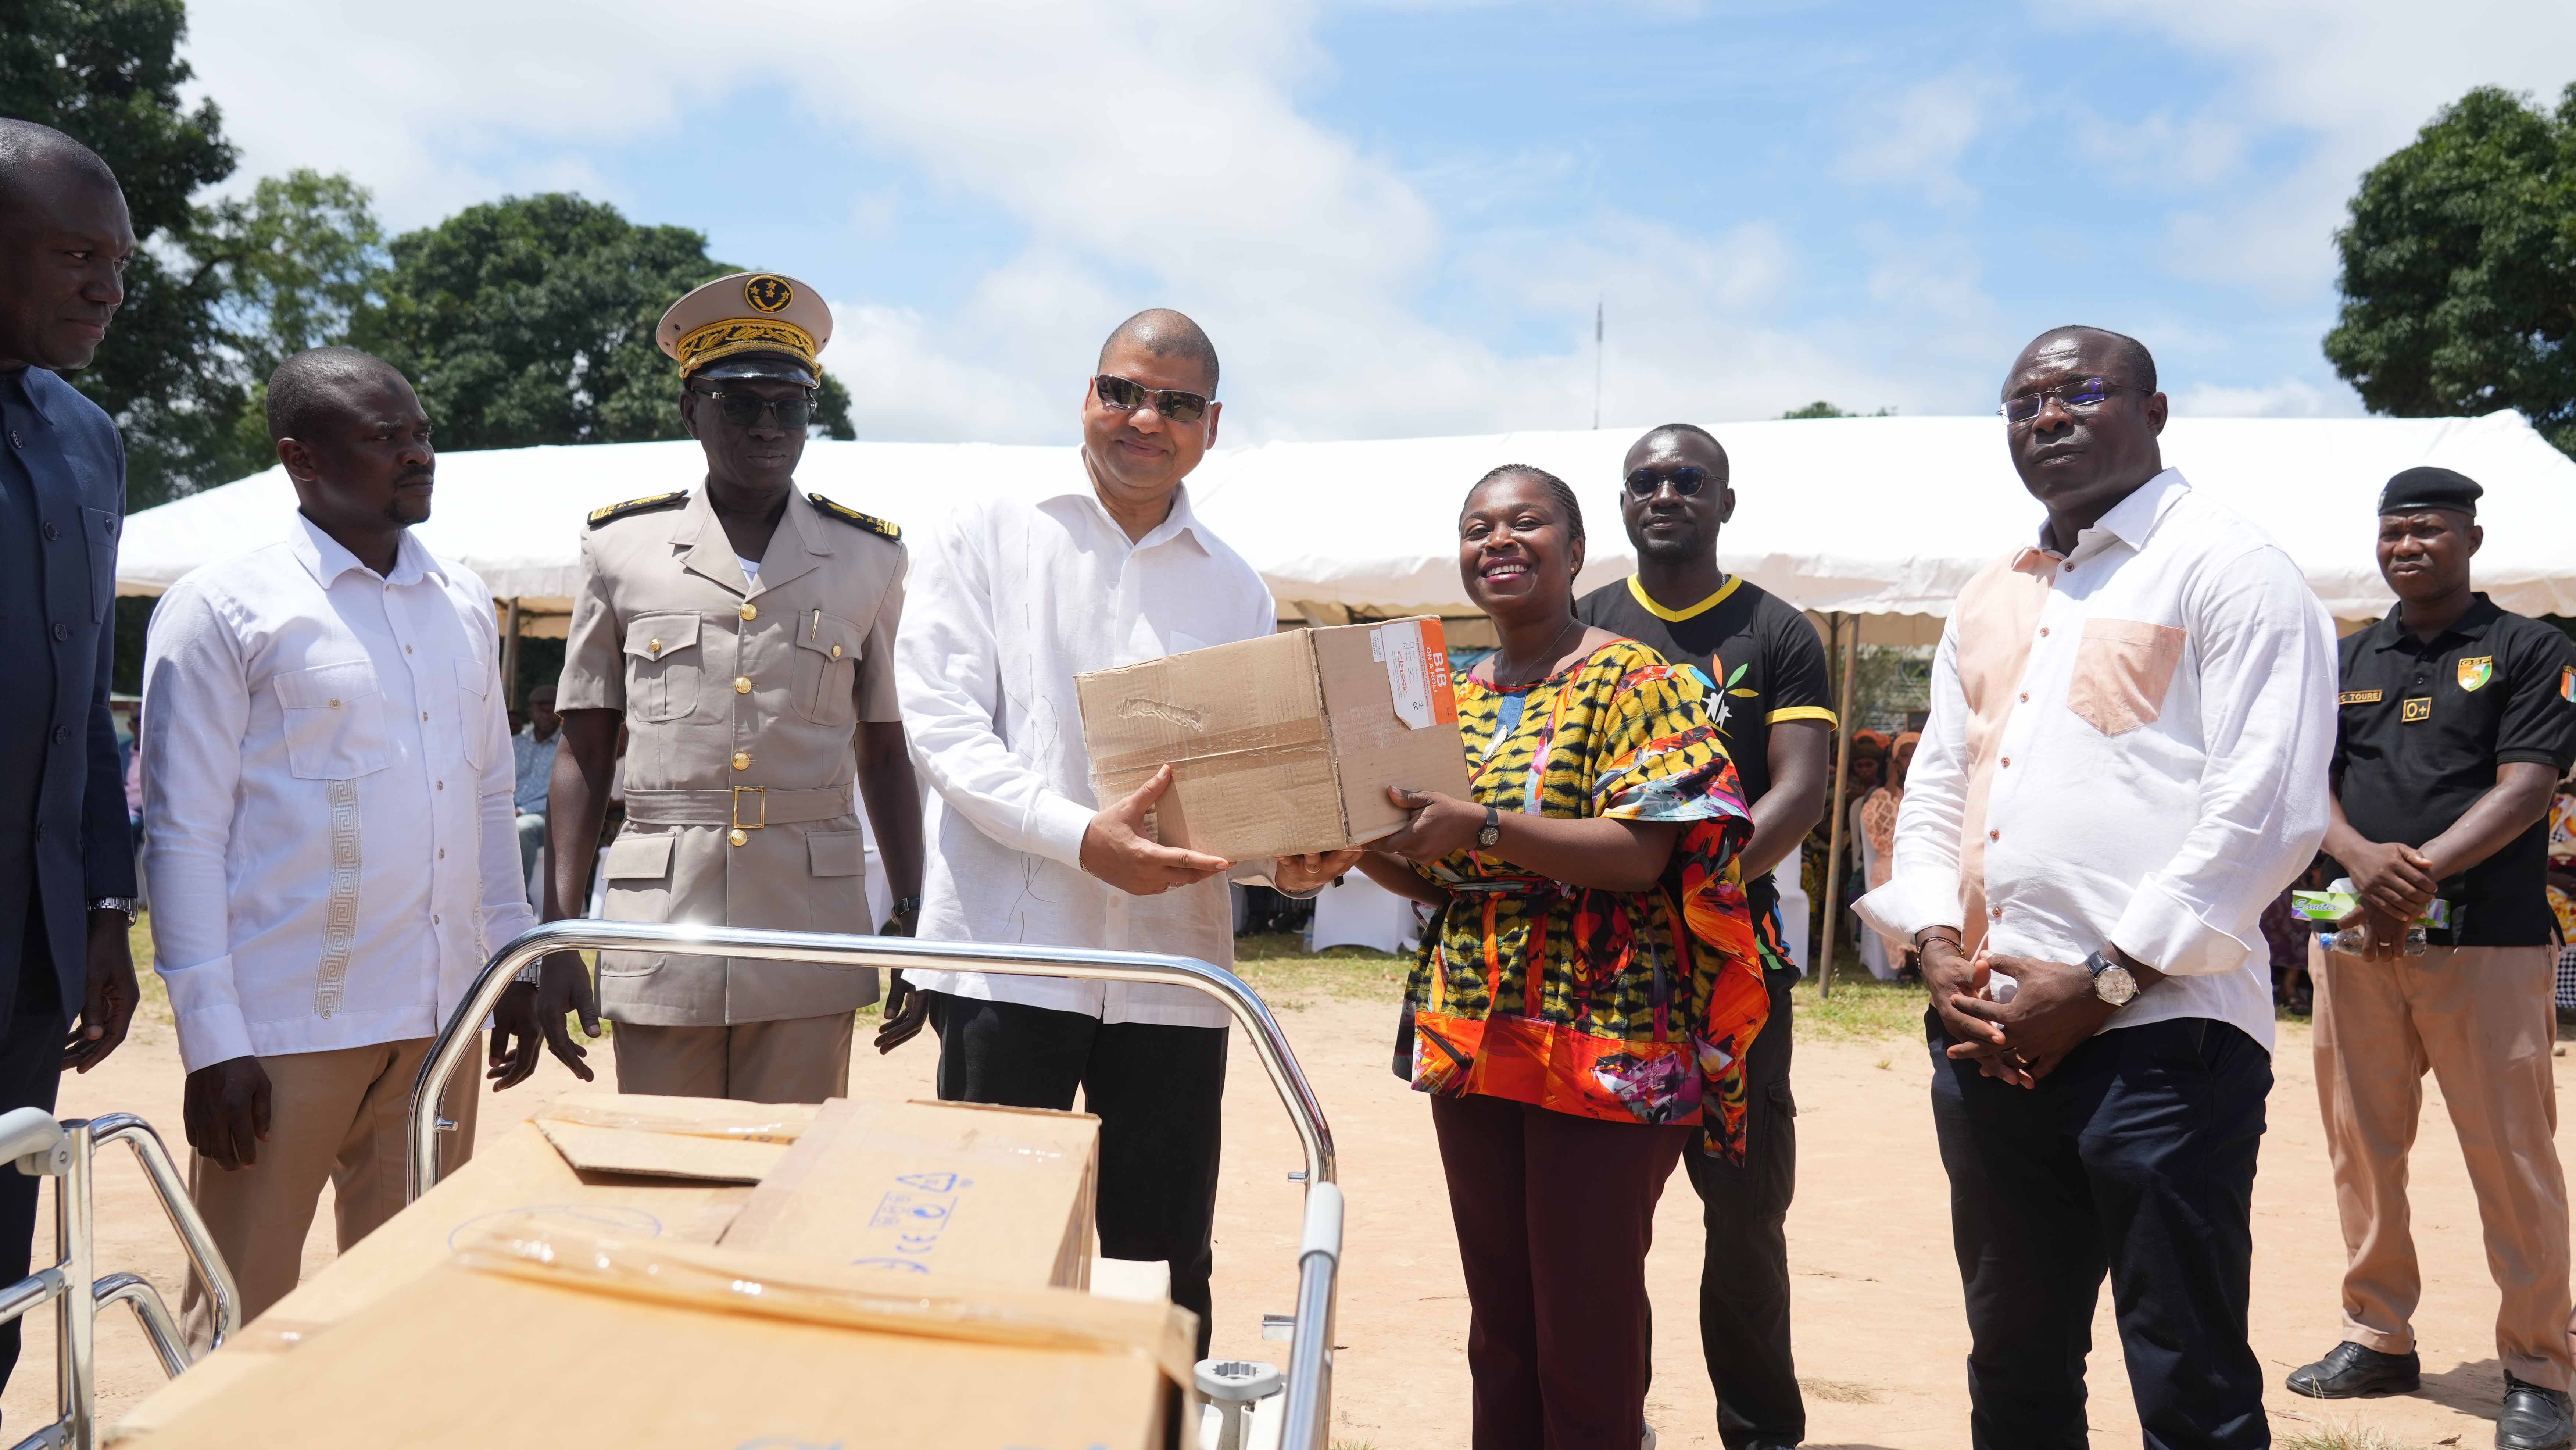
point(1627, 1006)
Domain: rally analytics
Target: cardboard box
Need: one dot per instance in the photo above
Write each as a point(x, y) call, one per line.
point(593, 1345)
point(999, 1194)
point(516, 1174)
point(1280, 745)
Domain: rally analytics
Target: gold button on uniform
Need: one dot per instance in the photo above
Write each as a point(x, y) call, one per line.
point(742, 760)
point(836, 651)
point(652, 646)
point(740, 838)
point(751, 611)
point(742, 684)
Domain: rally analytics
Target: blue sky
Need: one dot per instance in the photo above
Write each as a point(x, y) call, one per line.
point(1396, 218)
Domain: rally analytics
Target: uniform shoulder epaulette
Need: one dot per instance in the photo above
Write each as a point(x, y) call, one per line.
point(854, 518)
point(632, 506)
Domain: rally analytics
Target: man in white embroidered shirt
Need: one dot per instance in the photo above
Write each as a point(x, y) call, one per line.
point(327, 787)
point(2126, 760)
point(1013, 597)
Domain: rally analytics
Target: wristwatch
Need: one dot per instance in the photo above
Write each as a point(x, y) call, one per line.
point(2111, 981)
point(126, 904)
point(1493, 832)
point(904, 919)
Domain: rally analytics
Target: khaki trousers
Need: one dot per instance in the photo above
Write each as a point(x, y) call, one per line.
point(2481, 1019)
point(796, 1060)
point(342, 1117)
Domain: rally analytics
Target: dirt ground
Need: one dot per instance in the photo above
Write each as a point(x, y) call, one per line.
point(1880, 1341)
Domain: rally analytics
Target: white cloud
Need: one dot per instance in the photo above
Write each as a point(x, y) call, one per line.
point(1915, 138)
point(2355, 79)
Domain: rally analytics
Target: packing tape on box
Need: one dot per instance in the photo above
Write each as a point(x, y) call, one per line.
point(734, 1282)
point(751, 1126)
point(1301, 735)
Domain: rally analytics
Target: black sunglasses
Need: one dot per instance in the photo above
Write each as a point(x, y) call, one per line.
point(1120, 395)
point(1686, 481)
point(743, 410)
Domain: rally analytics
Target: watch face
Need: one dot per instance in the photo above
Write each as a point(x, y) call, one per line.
point(1488, 836)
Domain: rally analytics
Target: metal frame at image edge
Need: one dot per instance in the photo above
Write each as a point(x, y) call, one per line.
point(1308, 1407)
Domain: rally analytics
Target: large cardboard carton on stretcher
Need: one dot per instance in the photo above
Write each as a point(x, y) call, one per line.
point(1284, 744)
point(576, 1340)
point(519, 1174)
point(999, 1194)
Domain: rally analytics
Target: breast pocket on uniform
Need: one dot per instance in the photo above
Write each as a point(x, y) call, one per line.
point(663, 666)
point(98, 530)
point(827, 667)
point(335, 721)
point(2123, 667)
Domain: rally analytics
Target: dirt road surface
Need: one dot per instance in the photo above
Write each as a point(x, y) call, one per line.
point(1880, 1341)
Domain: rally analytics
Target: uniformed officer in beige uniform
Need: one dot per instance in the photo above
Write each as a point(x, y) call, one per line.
point(743, 634)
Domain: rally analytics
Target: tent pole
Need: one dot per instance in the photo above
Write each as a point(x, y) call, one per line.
point(510, 657)
point(1849, 626)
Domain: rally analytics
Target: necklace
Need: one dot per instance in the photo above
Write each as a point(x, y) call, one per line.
point(1546, 658)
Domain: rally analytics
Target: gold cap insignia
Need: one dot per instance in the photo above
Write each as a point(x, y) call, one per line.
point(768, 293)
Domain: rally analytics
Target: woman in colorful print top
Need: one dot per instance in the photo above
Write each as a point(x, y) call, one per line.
point(1583, 1003)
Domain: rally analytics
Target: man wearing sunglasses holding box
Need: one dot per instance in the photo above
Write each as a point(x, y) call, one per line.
point(1104, 565)
point(743, 633)
point(1768, 686)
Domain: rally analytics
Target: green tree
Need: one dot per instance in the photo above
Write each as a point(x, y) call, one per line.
point(108, 72)
point(2457, 266)
point(292, 264)
point(530, 320)
point(1822, 409)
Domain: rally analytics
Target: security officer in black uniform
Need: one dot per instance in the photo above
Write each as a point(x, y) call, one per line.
point(66, 854)
point(2456, 720)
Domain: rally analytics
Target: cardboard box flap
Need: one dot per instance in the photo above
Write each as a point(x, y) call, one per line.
point(1394, 718)
point(714, 1139)
point(1001, 1194)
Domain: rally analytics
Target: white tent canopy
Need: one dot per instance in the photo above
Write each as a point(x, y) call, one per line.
point(1871, 516)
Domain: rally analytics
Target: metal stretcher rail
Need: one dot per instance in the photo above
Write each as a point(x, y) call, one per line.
point(34, 1144)
point(1307, 1411)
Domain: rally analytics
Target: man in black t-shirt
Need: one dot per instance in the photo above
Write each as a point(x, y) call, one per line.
point(1768, 672)
point(2457, 719)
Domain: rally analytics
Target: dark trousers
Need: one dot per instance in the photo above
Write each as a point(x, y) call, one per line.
point(1159, 1093)
point(1554, 1216)
point(31, 1068)
point(1744, 1280)
point(2135, 1157)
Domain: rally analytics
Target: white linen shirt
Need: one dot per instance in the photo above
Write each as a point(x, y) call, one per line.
point(2127, 745)
point(1012, 596)
point(326, 795)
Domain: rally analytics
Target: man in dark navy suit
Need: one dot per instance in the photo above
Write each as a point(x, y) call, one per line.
point(66, 854)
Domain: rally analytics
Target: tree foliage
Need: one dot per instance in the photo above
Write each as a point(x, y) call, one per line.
point(530, 320)
point(1822, 409)
point(2459, 268)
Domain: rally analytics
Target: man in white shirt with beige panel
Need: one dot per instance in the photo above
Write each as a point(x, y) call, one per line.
point(2125, 762)
point(327, 784)
point(1012, 597)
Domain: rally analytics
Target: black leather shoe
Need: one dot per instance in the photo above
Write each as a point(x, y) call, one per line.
point(2534, 1418)
point(2351, 1370)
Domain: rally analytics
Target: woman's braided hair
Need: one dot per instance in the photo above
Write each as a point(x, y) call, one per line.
point(1555, 486)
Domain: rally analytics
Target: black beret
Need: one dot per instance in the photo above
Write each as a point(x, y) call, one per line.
point(2430, 488)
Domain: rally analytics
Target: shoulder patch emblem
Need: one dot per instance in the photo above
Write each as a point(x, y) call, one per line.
point(617, 511)
point(854, 518)
point(2475, 673)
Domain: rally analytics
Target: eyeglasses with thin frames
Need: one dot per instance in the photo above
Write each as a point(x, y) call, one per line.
point(2082, 396)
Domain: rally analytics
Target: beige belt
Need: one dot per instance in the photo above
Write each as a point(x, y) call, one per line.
point(745, 807)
